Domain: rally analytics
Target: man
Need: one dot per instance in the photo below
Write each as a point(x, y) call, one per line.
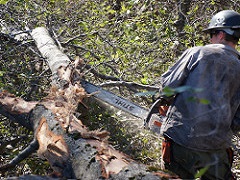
point(198, 135)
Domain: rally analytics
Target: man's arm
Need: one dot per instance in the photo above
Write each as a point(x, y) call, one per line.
point(177, 74)
point(236, 122)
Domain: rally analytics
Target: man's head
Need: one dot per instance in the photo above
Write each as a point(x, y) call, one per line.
point(226, 23)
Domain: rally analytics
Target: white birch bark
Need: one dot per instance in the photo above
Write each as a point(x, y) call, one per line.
point(49, 50)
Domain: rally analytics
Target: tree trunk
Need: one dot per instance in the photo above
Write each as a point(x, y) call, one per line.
point(71, 149)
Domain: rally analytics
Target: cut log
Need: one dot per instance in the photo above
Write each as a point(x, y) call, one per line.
point(71, 149)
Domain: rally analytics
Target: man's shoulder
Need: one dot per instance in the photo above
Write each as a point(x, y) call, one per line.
point(211, 49)
point(196, 49)
point(208, 47)
point(222, 49)
point(214, 50)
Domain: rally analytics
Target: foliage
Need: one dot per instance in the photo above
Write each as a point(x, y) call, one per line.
point(13, 140)
point(201, 172)
point(126, 132)
point(132, 40)
point(167, 91)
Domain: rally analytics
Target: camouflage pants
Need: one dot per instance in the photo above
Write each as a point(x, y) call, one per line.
point(186, 163)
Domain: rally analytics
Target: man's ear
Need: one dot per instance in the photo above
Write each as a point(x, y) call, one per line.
point(221, 35)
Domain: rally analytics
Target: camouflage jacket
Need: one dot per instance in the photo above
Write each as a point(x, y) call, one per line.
point(213, 73)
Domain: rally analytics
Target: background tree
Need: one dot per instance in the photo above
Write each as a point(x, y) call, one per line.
point(119, 41)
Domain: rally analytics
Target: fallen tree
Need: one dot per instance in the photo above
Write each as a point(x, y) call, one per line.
point(60, 137)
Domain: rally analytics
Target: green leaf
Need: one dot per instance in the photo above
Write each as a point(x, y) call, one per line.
point(172, 91)
point(147, 93)
point(167, 91)
point(3, 1)
point(201, 172)
point(198, 100)
point(2, 73)
point(182, 89)
point(204, 101)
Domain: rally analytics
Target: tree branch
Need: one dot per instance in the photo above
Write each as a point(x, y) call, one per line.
point(49, 50)
point(32, 147)
point(130, 85)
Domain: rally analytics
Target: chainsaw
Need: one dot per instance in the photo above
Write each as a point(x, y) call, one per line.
point(151, 118)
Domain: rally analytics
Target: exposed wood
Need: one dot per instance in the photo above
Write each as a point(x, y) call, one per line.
point(14, 104)
point(71, 149)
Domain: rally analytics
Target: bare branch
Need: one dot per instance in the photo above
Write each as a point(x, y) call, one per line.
point(22, 119)
point(102, 76)
point(33, 146)
point(130, 85)
point(76, 37)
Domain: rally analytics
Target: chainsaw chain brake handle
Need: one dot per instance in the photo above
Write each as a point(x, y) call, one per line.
point(156, 115)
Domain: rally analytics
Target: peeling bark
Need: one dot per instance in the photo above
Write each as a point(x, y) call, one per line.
point(14, 104)
point(71, 149)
